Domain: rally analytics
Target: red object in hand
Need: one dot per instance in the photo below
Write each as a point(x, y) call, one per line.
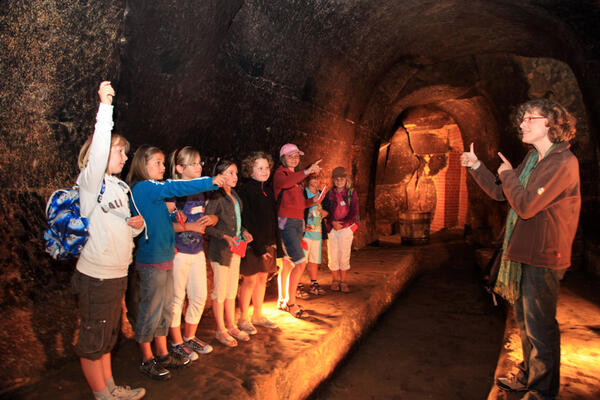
point(180, 217)
point(239, 247)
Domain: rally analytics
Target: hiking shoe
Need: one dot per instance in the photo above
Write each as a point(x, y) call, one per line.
point(198, 346)
point(344, 287)
point(511, 384)
point(247, 326)
point(127, 393)
point(316, 289)
point(154, 370)
point(335, 286)
point(173, 361)
point(265, 322)
point(183, 351)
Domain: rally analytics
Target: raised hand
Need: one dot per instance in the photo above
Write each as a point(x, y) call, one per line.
point(505, 166)
point(469, 159)
point(106, 93)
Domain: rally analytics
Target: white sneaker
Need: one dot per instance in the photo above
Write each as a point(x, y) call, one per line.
point(127, 393)
point(247, 326)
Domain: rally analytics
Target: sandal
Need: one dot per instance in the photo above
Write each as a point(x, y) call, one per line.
point(281, 305)
point(225, 338)
point(344, 287)
point(295, 310)
point(335, 285)
point(239, 334)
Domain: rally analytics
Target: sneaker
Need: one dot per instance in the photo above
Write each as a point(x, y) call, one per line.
point(154, 370)
point(127, 393)
point(511, 384)
point(173, 361)
point(265, 322)
point(198, 346)
point(316, 289)
point(344, 287)
point(184, 351)
point(247, 326)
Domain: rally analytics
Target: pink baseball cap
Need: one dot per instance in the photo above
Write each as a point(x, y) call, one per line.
point(289, 148)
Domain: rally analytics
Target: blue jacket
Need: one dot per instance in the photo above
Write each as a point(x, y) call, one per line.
point(150, 199)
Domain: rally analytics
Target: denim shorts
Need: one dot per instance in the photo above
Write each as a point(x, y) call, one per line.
point(291, 236)
point(156, 303)
point(100, 310)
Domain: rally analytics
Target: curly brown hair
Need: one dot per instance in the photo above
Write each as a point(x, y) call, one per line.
point(248, 162)
point(561, 123)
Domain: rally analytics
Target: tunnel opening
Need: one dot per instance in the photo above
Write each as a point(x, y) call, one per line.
point(419, 174)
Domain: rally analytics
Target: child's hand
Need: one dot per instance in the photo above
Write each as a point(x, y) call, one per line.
point(230, 241)
point(267, 257)
point(106, 93)
point(136, 222)
point(324, 213)
point(314, 168)
point(218, 180)
point(247, 236)
point(337, 225)
point(208, 220)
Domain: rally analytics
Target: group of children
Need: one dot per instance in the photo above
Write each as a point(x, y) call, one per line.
point(250, 230)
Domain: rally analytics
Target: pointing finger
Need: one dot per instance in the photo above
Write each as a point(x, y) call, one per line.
point(503, 158)
point(472, 148)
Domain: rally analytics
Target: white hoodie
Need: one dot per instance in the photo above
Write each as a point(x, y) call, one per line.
point(107, 253)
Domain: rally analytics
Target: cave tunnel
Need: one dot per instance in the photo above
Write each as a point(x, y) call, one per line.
point(393, 91)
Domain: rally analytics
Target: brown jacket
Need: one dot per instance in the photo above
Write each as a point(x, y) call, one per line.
point(548, 209)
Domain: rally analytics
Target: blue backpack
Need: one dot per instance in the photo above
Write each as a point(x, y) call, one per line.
point(67, 230)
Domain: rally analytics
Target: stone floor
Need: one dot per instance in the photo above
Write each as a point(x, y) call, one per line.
point(292, 361)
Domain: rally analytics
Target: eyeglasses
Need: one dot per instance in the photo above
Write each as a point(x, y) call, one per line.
point(528, 119)
point(195, 164)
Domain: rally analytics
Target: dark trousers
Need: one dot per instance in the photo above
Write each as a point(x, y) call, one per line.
point(535, 314)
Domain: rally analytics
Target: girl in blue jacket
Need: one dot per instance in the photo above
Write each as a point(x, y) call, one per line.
point(154, 256)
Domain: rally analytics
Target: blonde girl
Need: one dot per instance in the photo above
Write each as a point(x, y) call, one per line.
point(189, 264)
point(225, 236)
point(154, 256)
point(100, 278)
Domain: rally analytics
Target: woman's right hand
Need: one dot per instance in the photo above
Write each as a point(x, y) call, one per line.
point(106, 92)
point(136, 222)
point(469, 159)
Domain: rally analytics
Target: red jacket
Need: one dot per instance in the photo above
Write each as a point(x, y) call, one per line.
point(292, 202)
point(548, 209)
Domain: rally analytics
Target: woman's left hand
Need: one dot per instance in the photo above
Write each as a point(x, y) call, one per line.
point(247, 236)
point(136, 222)
point(505, 166)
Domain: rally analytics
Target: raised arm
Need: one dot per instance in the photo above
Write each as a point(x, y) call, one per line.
point(92, 175)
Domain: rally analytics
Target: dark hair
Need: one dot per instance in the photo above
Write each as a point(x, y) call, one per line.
point(221, 166)
point(248, 162)
point(138, 171)
point(561, 123)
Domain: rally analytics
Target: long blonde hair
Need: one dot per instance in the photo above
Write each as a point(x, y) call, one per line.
point(138, 171)
point(84, 152)
point(182, 157)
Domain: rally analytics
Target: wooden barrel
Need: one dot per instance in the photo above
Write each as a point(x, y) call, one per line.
point(414, 226)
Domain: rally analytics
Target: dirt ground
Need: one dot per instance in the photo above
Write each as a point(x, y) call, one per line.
point(441, 339)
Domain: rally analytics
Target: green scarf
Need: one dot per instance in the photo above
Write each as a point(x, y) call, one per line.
point(508, 283)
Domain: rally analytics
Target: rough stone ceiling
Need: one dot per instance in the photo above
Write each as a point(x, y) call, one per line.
point(352, 58)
